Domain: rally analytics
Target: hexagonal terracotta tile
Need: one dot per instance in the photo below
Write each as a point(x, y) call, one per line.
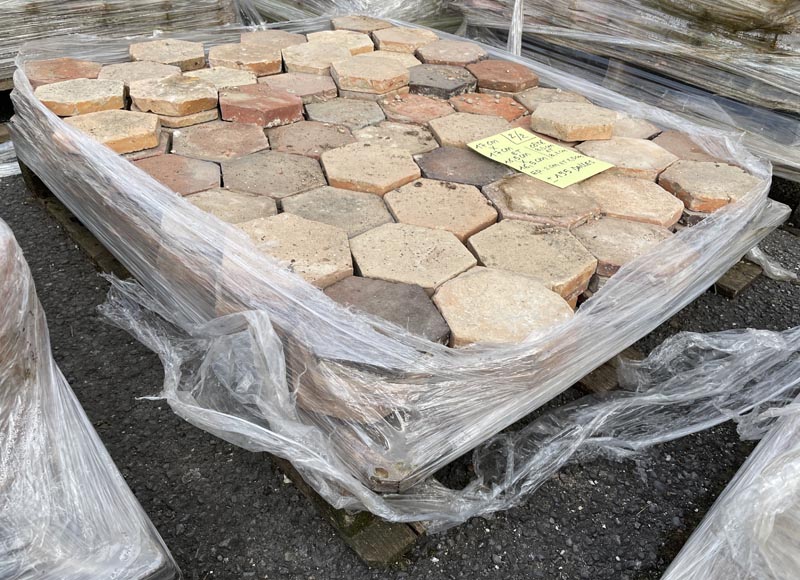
point(452, 52)
point(232, 206)
point(616, 242)
point(181, 53)
point(405, 59)
point(370, 168)
point(682, 146)
point(139, 70)
point(631, 157)
point(275, 38)
point(496, 306)
point(313, 57)
point(440, 80)
point(374, 97)
point(309, 138)
point(706, 185)
point(355, 212)
point(573, 121)
point(634, 128)
point(485, 104)
point(410, 254)
point(628, 198)
point(458, 129)
point(358, 23)
point(402, 39)
point(350, 113)
point(461, 166)
point(260, 105)
point(441, 205)
point(224, 78)
point(122, 131)
point(310, 88)
point(259, 59)
point(182, 175)
point(175, 96)
point(535, 96)
point(526, 198)
point(162, 148)
point(415, 139)
point(172, 122)
point(81, 96)
point(316, 251)
point(219, 141)
point(552, 256)
point(273, 173)
point(56, 70)
point(502, 75)
point(412, 108)
point(355, 42)
point(369, 75)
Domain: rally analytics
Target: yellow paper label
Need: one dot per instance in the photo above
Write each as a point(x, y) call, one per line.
point(532, 155)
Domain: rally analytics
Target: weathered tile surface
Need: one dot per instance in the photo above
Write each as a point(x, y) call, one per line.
point(232, 206)
point(406, 305)
point(122, 131)
point(219, 141)
point(552, 256)
point(523, 197)
point(374, 97)
point(355, 212)
point(81, 96)
point(175, 96)
point(413, 139)
point(631, 157)
point(310, 88)
point(348, 112)
point(182, 175)
point(616, 242)
point(707, 185)
point(163, 147)
point(402, 39)
point(573, 121)
point(441, 205)
point(367, 167)
point(355, 42)
point(313, 57)
point(357, 23)
point(415, 108)
point(260, 59)
point(634, 128)
point(485, 104)
point(634, 199)
point(495, 306)
point(439, 80)
point(533, 97)
point(171, 122)
point(461, 166)
point(56, 70)
point(403, 58)
point(279, 39)
point(273, 173)
point(410, 254)
point(682, 146)
point(458, 129)
point(260, 105)
point(138, 70)
point(501, 75)
point(317, 252)
point(223, 77)
point(369, 75)
point(452, 52)
point(181, 53)
point(309, 138)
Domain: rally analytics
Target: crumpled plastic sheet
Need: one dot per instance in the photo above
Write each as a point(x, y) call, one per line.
point(65, 510)
point(632, 47)
point(772, 269)
point(752, 530)
point(366, 412)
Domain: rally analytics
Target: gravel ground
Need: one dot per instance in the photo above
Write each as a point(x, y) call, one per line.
point(226, 513)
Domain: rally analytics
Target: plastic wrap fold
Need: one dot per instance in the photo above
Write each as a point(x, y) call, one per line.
point(691, 62)
point(365, 411)
point(65, 511)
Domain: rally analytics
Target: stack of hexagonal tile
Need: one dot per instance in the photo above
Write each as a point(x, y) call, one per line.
point(343, 155)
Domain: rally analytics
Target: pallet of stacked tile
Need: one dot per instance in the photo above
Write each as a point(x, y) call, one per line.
point(342, 155)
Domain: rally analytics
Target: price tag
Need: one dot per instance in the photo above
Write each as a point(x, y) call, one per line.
point(532, 155)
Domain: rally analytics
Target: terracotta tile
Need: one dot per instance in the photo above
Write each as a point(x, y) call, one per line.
point(81, 96)
point(370, 168)
point(181, 53)
point(502, 75)
point(181, 174)
point(355, 212)
point(707, 185)
point(260, 105)
point(122, 131)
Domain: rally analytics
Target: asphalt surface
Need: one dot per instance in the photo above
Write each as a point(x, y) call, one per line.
point(226, 513)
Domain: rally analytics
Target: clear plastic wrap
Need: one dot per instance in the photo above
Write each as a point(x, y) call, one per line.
point(711, 75)
point(751, 532)
point(365, 411)
point(65, 511)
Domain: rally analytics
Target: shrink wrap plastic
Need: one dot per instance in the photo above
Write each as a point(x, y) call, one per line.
point(65, 511)
point(365, 411)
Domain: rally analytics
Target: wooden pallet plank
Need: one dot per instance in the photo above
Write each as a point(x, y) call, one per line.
point(737, 279)
point(604, 378)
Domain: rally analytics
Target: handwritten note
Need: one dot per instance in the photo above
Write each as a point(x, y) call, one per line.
point(525, 152)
